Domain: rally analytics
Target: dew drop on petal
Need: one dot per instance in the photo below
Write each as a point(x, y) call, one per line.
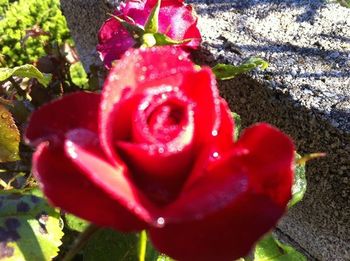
point(71, 150)
point(214, 133)
point(160, 150)
point(115, 77)
point(144, 106)
point(142, 78)
point(160, 222)
point(215, 154)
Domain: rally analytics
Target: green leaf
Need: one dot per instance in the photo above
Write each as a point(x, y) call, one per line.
point(108, 244)
point(131, 28)
point(237, 130)
point(78, 75)
point(30, 229)
point(148, 40)
point(227, 71)
point(270, 249)
point(299, 184)
point(162, 39)
point(74, 223)
point(26, 70)
point(9, 136)
point(151, 25)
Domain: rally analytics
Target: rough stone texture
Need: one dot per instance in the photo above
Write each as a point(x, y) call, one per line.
point(84, 18)
point(305, 91)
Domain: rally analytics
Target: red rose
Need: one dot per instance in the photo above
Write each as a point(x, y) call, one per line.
point(155, 151)
point(176, 20)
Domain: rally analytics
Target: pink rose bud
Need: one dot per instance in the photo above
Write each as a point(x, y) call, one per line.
point(176, 20)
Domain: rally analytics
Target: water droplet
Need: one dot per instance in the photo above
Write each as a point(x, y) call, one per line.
point(214, 133)
point(142, 78)
point(144, 105)
point(215, 154)
point(160, 222)
point(181, 57)
point(144, 68)
point(115, 77)
point(71, 151)
point(161, 150)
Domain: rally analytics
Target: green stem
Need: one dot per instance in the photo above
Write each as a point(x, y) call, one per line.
point(80, 242)
point(17, 87)
point(143, 245)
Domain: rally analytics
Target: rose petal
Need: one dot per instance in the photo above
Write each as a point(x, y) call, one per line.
point(82, 148)
point(180, 23)
point(201, 87)
point(223, 236)
point(263, 155)
point(136, 72)
point(68, 188)
point(159, 153)
point(159, 173)
point(54, 119)
point(271, 159)
point(114, 41)
point(176, 19)
point(227, 211)
point(214, 147)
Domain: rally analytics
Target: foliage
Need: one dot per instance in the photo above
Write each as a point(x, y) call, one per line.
point(345, 3)
point(228, 71)
point(30, 229)
point(26, 70)
point(299, 186)
point(27, 27)
point(9, 136)
point(270, 249)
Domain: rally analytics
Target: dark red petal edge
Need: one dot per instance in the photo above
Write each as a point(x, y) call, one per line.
point(66, 187)
point(54, 119)
point(81, 148)
point(251, 187)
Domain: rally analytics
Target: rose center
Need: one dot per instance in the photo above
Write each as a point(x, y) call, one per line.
point(166, 121)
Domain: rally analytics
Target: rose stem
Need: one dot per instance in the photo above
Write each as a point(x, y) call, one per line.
point(80, 242)
point(143, 245)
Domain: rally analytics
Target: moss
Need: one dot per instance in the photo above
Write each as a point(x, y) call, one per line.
point(18, 16)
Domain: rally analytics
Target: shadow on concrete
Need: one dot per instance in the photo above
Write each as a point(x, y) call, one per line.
point(324, 211)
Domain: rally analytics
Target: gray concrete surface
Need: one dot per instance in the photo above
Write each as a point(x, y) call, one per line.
point(84, 18)
point(305, 91)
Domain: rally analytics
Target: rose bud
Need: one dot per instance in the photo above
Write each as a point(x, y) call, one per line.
point(140, 22)
point(155, 151)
